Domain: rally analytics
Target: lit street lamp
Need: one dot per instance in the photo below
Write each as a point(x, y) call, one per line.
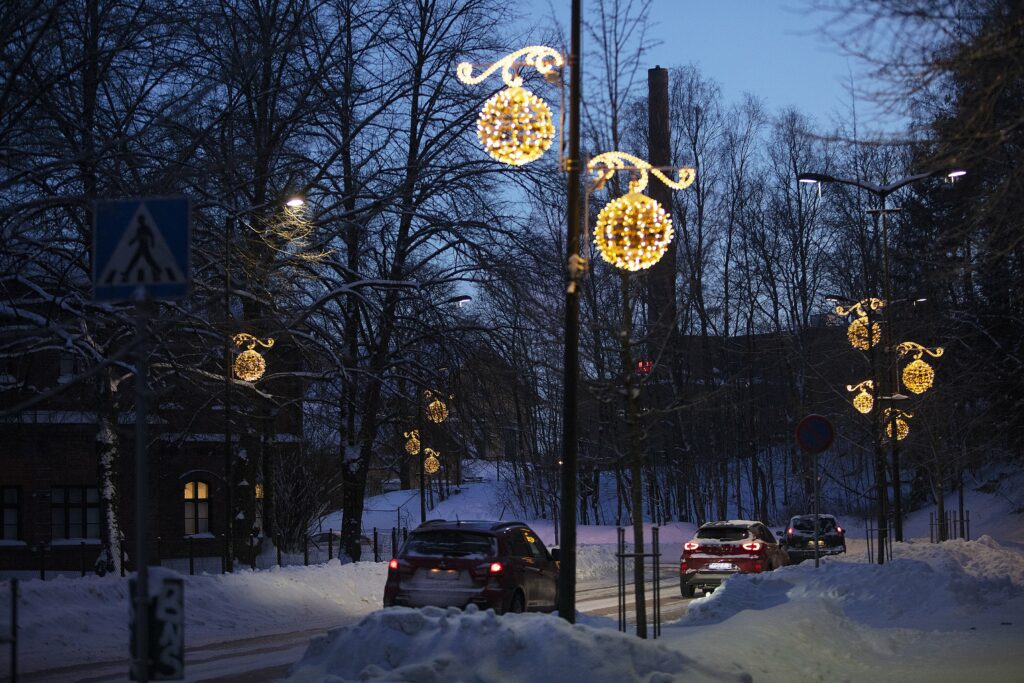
point(863, 334)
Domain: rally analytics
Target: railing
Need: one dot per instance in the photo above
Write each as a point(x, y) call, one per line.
point(949, 526)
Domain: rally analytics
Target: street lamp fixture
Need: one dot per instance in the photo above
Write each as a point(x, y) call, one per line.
point(515, 126)
point(460, 301)
point(295, 202)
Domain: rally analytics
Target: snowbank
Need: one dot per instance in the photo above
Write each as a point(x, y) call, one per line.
point(86, 619)
point(433, 644)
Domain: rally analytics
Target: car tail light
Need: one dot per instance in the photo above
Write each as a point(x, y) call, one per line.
point(496, 567)
point(789, 531)
point(753, 546)
point(393, 564)
point(840, 529)
point(757, 567)
point(691, 545)
point(682, 566)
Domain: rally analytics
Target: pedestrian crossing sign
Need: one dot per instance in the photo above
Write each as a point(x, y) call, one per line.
point(140, 243)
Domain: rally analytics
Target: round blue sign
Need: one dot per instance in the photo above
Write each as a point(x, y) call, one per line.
point(814, 433)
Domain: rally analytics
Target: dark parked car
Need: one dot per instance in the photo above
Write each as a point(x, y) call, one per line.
point(498, 565)
point(721, 549)
point(799, 538)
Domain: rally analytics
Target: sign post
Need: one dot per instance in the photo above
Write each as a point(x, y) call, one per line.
point(141, 254)
point(814, 434)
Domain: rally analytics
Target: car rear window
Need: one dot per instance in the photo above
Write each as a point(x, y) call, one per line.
point(807, 524)
point(724, 533)
point(450, 543)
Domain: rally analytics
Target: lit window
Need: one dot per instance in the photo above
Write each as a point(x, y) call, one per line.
point(197, 508)
point(75, 512)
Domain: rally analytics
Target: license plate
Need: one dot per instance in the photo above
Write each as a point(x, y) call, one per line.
point(720, 565)
point(443, 574)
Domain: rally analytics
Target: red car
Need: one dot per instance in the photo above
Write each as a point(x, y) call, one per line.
point(721, 549)
point(503, 566)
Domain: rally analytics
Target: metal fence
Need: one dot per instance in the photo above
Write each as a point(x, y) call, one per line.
point(655, 557)
point(949, 526)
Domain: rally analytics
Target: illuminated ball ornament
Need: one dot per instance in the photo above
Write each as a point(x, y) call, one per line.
point(918, 376)
point(633, 232)
point(863, 402)
point(515, 126)
point(857, 333)
point(412, 446)
point(437, 411)
point(431, 464)
point(249, 365)
point(899, 418)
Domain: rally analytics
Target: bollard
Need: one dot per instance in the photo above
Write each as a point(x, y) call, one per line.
point(191, 557)
point(81, 558)
point(330, 544)
point(376, 548)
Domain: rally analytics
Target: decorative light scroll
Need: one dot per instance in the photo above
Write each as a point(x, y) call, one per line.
point(918, 376)
point(249, 364)
point(515, 126)
point(634, 231)
point(899, 417)
point(864, 401)
point(606, 164)
point(437, 411)
point(412, 445)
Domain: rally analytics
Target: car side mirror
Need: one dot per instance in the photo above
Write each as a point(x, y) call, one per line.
point(556, 554)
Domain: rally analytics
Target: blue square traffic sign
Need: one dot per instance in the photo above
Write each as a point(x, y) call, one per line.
point(141, 243)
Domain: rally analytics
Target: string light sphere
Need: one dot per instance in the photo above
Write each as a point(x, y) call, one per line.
point(633, 232)
point(900, 418)
point(515, 126)
point(864, 401)
point(918, 376)
point(412, 445)
point(857, 333)
point(249, 365)
point(437, 411)
point(431, 464)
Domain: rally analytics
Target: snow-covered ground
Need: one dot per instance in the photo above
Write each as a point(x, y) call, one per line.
point(936, 612)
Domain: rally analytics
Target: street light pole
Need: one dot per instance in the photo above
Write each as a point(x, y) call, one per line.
point(889, 384)
point(567, 570)
point(228, 520)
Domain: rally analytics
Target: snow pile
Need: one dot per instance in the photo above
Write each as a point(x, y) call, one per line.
point(433, 644)
point(936, 612)
point(86, 619)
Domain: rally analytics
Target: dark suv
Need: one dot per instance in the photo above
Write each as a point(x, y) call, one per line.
point(498, 565)
point(799, 538)
point(721, 549)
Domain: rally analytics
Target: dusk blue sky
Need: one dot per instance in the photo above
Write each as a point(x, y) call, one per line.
point(774, 49)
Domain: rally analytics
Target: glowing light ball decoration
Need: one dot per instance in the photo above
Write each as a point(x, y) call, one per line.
point(412, 445)
point(634, 231)
point(249, 365)
point(864, 402)
point(515, 126)
point(431, 465)
point(918, 375)
point(861, 333)
point(437, 411)
point(894, 415)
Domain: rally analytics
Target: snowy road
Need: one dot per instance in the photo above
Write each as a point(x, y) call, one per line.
point(268, 657)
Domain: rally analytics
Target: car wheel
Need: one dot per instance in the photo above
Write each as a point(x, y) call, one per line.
point(517, 605)
point(687, 590)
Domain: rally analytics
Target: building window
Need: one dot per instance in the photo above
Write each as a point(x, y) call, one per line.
point(197, 508)
point(68, 366)
point(75, 512)
point(10, 507)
